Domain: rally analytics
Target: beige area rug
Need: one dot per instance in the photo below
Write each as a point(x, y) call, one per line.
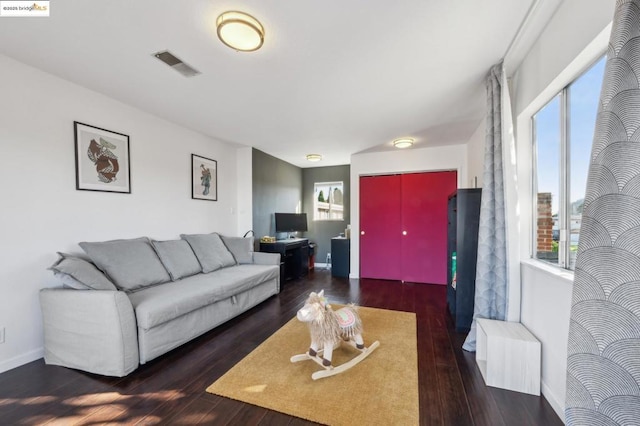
point(380, 390)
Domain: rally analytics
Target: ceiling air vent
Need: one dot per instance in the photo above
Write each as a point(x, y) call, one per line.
point(175, 63)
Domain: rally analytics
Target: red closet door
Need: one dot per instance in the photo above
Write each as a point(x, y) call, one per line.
point(424, 226)
point(380, 223)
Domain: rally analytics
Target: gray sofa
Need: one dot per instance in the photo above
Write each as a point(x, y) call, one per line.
point(134, 300)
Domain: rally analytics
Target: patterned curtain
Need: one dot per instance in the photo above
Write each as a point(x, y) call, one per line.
point(491, 272)
point(603, 364)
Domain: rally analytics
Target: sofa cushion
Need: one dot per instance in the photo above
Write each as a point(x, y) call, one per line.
point(130, 264)
point(177, 258)
point(68, 281)
point(78, 273)
point(210, 251)
point(240, 248)
point(159, 304)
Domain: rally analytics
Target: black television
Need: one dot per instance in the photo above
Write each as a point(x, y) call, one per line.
point(291, 222)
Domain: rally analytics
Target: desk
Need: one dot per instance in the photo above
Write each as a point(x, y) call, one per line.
point(294, 256)
point(340, 262)
point(312, 257)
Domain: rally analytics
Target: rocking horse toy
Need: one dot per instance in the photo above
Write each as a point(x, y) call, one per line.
point(329, 329)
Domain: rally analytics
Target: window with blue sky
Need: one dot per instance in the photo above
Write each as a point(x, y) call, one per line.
point(563, 136)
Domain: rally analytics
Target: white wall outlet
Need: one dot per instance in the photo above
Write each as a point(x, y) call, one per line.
point(1, 334)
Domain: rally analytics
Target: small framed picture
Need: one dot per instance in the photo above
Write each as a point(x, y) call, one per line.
point(204, 178)
point(102, 160)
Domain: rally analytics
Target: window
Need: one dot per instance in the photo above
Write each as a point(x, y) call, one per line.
point(328, 201)
point(563, 135)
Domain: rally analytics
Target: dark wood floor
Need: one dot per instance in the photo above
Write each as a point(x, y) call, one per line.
point(171, 389)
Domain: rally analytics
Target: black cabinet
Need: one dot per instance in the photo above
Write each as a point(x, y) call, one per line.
point(340, 253)
point(462, 249)
point(294, 256)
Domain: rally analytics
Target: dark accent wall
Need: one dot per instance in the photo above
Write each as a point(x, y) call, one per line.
point(321, 232)
point(277, 187)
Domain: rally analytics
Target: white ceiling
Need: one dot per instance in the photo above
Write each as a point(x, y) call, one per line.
point(333, 77)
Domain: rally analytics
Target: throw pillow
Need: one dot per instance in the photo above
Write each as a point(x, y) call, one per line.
point(210, 251)
point(130, 264)
point(78, 273)
point(68, 281)
point(178, 258)
point(240, 248)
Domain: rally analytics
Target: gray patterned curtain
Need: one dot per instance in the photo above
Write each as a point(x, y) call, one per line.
point(491, 272)
point(603, 364)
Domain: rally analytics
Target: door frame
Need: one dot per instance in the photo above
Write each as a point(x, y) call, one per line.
point(357, 232)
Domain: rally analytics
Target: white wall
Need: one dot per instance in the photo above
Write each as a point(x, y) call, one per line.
point(475, 156)
point(546, 306)
point(575, 37)
point(41, 212)
point(402, 161)
point(574, 25)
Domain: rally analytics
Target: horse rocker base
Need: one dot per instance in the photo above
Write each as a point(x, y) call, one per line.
point(330, 370)
point(329, 330)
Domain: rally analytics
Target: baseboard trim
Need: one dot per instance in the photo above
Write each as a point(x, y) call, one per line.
point(553, 400)
point(19, 360)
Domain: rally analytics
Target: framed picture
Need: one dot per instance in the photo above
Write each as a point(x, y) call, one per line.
point(204, 178)
point(102, 160)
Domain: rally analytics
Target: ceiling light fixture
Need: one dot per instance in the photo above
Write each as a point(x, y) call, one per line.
point(240, 31)
point(314, 157)
point(403, 142)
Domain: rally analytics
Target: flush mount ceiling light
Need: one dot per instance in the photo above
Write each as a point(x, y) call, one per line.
point(240, 31)
point(314, 157)
point(403, 142)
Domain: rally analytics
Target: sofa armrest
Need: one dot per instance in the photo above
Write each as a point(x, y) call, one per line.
point(262, 258)
point(90, 330)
